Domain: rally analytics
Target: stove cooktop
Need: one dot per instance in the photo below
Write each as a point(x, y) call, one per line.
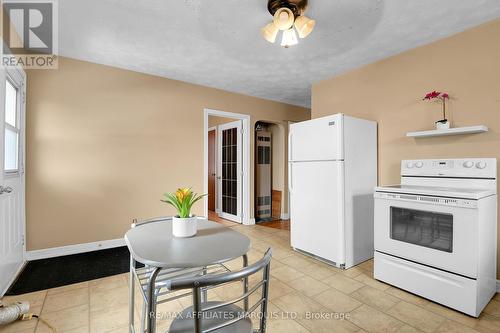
point(447, 192)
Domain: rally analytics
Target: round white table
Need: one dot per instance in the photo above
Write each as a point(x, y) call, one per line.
point(153, 244)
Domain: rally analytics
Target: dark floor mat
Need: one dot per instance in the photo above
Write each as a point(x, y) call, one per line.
point(60, 271)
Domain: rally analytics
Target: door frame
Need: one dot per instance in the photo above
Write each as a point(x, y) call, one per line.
point(216, 148)
point(18, 75)
point(245, 200)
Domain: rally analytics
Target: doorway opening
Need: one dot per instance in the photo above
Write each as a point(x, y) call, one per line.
point(270, 166)
point(227, 167)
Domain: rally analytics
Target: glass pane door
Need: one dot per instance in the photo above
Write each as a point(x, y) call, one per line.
point(424, 228)
point(229, 165)
point(229, 171)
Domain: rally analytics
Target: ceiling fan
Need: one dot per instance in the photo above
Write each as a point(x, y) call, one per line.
point(288, 16)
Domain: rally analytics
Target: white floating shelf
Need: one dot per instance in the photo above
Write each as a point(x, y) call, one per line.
point(451, 131)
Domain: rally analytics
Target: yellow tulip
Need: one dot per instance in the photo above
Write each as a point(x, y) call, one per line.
point(182, 193)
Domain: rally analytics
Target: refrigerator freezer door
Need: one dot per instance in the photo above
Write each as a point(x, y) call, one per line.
point(317, 208)
point(317, 140)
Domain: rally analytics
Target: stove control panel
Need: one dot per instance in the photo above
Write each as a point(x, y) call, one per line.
point(460, 168)
point(463, 203)
point(468, 164)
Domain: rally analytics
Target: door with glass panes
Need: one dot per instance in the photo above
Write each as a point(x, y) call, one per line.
point(12, 219)
point(230, 171)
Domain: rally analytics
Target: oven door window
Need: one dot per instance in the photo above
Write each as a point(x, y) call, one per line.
point(428, 229)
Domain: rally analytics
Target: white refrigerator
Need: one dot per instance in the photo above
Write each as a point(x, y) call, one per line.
point(331, 177)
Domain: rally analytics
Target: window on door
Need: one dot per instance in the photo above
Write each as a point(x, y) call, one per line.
point(429, 229)
point(12, 128)
point(229, 171)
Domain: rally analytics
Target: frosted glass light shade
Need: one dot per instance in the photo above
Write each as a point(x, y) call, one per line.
point(304, 26)
point(289, 38)
point(283, 18)
point(269, 32)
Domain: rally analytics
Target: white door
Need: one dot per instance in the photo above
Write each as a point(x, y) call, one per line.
point(230, 171)
point(316, 197)
point(12, 218)
point(316, 140)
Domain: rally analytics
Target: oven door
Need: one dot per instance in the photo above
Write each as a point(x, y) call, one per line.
point(434, 231)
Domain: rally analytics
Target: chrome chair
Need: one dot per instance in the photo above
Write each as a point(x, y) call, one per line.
point(160, 293)
point(219, 316)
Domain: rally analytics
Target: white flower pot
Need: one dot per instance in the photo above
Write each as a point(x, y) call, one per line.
point(442, 125)
point(184, 227)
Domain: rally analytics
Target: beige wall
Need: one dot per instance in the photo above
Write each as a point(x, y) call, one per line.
point(390, 91)
point(214, 121)
point(103, 144)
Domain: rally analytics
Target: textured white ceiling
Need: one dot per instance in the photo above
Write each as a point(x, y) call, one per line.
point(217, 43)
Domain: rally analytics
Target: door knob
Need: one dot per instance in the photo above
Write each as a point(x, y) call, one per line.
point(7, 189)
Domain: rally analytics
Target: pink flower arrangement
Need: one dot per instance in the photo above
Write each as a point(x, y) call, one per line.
point(436, 94)
point(440, 97)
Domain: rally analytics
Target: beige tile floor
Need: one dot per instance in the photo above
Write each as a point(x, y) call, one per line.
point(301, 288)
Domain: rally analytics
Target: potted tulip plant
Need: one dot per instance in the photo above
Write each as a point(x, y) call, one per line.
point(184, 224)
point(440, 98)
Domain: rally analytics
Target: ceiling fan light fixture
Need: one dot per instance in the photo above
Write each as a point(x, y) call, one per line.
point(283, 18)
point(270, 32)
point(288, 17)
point(304, 26)
point(289, 38)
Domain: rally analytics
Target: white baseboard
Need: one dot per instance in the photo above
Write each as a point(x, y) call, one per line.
point(285, 216)
point(73, 249)
point(251, 221)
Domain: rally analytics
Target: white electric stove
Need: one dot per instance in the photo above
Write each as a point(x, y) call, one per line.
point(435, 233)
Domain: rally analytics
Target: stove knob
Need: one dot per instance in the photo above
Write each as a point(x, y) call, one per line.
point(468, 164)
point(481, 165)
point(409, 165)
point(419, 164)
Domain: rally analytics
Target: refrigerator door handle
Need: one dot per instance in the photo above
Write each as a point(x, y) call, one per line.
point(290, 185)
point(290, 151)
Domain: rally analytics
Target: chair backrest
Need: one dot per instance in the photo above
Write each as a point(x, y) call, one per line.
point(203, 281)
